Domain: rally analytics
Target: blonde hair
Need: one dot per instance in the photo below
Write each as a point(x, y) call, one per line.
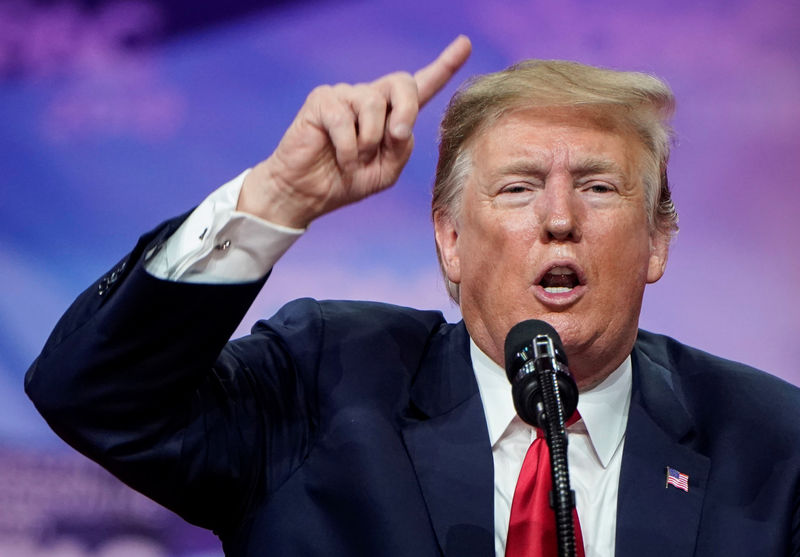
point(636, 101)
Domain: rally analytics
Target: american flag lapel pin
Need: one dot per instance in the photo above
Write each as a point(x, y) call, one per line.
point(677, 479)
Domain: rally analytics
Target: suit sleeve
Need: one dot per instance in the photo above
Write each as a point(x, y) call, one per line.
point(137, 376)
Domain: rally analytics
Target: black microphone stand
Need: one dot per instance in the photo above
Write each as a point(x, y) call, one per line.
point(562, 499)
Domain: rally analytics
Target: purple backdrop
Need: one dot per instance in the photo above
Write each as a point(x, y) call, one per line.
point(110, 125)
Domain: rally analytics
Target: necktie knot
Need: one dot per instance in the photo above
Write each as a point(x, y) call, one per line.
point(576, 416)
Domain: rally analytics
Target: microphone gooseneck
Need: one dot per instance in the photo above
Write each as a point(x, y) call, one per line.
point(545, 396)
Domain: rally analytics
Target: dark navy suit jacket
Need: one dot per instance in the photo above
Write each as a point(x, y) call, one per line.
point(355, 428)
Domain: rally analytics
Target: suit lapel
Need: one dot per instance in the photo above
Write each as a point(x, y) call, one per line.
point(448, 443)
point(654, 519)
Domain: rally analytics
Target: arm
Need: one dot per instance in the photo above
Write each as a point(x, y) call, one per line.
point(137, 375)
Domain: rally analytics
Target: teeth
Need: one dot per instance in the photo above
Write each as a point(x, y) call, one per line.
point(557, 289)
point(561, 271)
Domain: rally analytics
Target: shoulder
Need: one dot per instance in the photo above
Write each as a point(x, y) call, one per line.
point(348, 314)
point(720, 391)
point(318, 325)
point(689, 362)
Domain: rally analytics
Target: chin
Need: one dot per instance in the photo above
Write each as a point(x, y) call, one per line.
point(568, 327)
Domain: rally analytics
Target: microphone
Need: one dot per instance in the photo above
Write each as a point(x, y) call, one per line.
point(533, 347)
point(545, 396)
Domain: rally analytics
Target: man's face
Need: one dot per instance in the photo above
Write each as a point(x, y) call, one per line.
point(553, 226)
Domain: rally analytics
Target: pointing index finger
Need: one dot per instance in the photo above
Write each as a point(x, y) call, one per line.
point(435, 75)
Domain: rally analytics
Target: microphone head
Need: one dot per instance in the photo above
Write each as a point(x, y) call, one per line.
point(524, 366)
point(521, 335)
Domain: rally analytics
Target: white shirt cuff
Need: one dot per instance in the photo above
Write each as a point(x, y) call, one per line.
point(217, 244)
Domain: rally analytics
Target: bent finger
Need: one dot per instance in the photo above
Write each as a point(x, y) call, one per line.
point(337, 119)
point(401, 91)
point(370, 107)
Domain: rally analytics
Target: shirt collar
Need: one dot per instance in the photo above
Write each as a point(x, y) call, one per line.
point(604, 408)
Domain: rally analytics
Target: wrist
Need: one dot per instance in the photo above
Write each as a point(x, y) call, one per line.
point(267, 197)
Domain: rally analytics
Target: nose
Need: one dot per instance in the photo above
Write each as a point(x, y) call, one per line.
point(559, 211)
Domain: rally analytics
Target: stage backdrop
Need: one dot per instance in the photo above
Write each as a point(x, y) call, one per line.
point(117, 115)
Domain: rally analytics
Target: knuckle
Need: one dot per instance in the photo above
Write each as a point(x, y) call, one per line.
point(401, 77)
point(319, 93)
point(396, 80)
point(374, 101)
point(339, 118)
point(368, 95)
point(321, 90)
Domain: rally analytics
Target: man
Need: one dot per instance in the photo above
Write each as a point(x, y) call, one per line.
point(357, 428)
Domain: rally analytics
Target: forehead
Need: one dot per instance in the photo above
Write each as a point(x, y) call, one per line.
point(550, 136)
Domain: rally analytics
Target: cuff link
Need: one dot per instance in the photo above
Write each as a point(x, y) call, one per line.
point(223, 246)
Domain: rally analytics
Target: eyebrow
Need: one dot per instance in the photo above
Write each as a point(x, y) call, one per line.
point(582, 167)
point(595, 166)
point(522, 168)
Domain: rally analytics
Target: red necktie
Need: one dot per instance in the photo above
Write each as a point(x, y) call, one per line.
point(532, 526)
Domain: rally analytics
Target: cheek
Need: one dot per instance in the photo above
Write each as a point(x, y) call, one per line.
point(493, 251)
point(501, 241)
point(624, 252)
point(632, 263)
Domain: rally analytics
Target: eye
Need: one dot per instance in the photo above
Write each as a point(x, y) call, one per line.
point(598, 187)
point(515, 194)
point(518, 187)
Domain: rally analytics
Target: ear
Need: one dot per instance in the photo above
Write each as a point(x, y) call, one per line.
point(446, 232)
point(659, 251)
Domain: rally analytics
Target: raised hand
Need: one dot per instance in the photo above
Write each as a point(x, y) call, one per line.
point(347, 142)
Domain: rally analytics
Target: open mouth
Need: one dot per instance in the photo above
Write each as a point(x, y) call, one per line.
point(559, 280)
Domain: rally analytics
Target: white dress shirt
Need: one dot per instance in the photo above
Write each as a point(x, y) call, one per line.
point(217, 244)
point(594, 450)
